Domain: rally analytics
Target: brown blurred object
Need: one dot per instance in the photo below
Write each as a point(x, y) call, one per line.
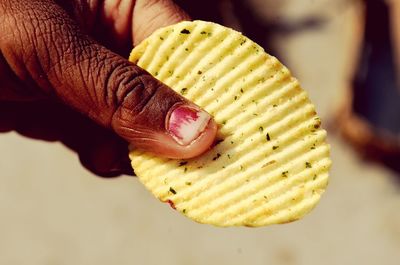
point(369, 116)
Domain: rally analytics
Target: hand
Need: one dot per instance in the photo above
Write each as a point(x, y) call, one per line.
point(58, 81)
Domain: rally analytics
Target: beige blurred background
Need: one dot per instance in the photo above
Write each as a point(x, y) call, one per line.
point(53, 212)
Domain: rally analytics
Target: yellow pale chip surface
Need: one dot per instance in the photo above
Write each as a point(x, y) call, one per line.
point(271, 163)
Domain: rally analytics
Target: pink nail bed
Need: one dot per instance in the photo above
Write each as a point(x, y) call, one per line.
point(186, 123)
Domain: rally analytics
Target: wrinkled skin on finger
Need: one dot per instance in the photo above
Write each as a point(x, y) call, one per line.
point(29, 106)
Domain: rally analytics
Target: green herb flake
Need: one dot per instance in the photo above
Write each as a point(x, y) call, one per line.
point(241, 167)
point(184, 210)
point(188, 183)
point(185, 170)
point(275, 105)
point(315, 177)
point(235, 98)
point(285, 173)
point(241, 90)
point(199, 72)
point(232, 142)
point(185, 31)
point(275, 147)
point(161, 38)
point(308, 165)
point(172, 190)
point(268, 137)
point(229, 156)
point(261, 129)
point(216, 157)
point(156, 73)
point(186, 49)
point(183, 91)
point(223, 122)
point(183, 163)
point(269, 163)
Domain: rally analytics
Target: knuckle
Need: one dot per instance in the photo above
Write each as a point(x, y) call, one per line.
point(139, 99)
point(132, 87)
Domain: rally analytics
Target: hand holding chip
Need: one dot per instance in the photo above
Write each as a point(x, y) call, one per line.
point(47, 57)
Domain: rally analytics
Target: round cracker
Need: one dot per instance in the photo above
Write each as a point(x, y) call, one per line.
point(270, 164)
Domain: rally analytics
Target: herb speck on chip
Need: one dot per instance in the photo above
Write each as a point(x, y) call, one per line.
point(172, 190)
point(216, 157)
point(183, 163)
point(185, 31)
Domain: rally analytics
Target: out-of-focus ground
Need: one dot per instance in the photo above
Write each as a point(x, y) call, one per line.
point(54, 212)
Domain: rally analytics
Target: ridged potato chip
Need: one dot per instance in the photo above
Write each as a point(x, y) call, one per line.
point(271, 162)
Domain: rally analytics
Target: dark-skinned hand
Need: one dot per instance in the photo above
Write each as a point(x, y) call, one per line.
point(64, 77)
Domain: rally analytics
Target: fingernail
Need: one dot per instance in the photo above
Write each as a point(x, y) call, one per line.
point(186, 123)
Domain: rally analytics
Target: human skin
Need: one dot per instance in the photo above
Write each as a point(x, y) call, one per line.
point(64, 77)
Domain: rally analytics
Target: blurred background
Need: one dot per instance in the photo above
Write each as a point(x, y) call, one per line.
point(54, 212)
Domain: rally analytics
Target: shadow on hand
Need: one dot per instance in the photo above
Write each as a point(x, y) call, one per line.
point(99, 149)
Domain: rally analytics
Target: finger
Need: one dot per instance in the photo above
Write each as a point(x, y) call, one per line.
point(49, 49)
point(149, 15)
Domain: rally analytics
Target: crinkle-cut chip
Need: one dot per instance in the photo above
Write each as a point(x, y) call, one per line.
point(271, 162)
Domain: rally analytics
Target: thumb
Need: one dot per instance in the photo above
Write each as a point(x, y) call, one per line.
point(49, 49)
